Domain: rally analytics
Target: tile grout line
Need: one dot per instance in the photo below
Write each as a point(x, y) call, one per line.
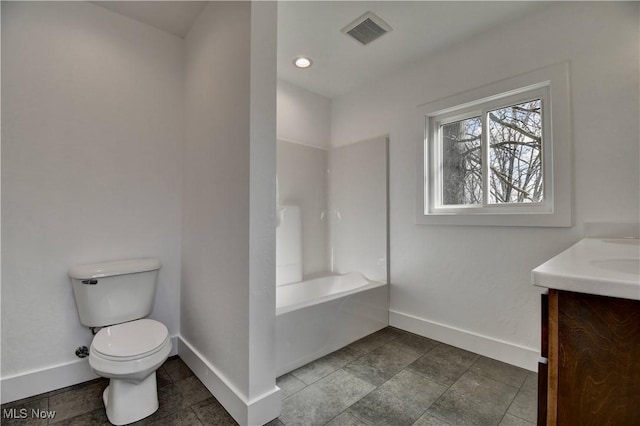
point(446, 390)
point(403, 369)
point(194, 412)
point(356, 415)
point(438, 398)
point(363, 354)
point(514, 398)
point(483, 374)
point(408, 350)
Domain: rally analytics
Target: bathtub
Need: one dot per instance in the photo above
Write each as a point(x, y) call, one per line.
point(319, 316)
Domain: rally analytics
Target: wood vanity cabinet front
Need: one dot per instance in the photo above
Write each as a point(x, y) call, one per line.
point(593, 372)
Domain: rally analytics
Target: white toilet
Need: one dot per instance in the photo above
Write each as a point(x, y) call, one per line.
point(128, 349)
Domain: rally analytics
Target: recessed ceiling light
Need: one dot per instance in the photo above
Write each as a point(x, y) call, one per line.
point(302, 62)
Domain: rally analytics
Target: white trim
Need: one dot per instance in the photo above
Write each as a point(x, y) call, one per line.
point(256, 411)
point(558, 168)
point(480, 109)
point(510, 353)
point(308, 145)
point(36, 382)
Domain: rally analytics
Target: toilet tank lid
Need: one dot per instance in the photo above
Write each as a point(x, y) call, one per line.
point(109, 269)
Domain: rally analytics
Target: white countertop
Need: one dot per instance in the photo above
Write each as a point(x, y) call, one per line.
point(601, 266)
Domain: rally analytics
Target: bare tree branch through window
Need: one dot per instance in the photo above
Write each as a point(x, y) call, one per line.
point(514, 139)
point(515, 153)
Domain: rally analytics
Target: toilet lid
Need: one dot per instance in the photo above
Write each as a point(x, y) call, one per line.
point(130, 339)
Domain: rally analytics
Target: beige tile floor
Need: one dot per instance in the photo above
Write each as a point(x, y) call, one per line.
point(388, 378)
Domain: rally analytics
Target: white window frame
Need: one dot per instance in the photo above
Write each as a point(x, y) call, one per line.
point(481, 109)
point(551, 85)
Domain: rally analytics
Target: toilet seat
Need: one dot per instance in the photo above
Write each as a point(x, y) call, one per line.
point(129, 354)
point(130, 341)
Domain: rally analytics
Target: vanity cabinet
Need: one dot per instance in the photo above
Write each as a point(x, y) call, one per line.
point(591, 345)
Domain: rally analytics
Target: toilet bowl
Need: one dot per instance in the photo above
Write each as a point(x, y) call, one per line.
point(129, 355)
point(117, 296)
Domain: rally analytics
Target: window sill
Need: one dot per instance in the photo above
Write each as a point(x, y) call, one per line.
point(543, 219)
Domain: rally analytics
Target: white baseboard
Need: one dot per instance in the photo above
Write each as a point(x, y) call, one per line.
point(35, 382)
point(254, 412)
point(510, 353)
point(31, 383)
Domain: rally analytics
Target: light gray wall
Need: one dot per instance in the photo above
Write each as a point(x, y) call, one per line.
point(358, 206)
point(215, 220)
point(228, 222)
point(475, 281)
point(262, 220)
point(304, 129)
point(302, 181)
point(304, 117)
point(91, 170)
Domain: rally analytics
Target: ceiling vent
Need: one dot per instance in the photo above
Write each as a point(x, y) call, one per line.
point(367, 28)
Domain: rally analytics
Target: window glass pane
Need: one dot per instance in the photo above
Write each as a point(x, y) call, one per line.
point(462, 162)
point(515, 153)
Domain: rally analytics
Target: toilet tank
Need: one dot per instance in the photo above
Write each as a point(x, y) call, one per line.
point(110, 293)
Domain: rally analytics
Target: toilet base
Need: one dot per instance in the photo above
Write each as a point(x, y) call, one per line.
point(127, 402)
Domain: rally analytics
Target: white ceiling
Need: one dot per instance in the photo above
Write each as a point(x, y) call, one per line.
point(340, 64)
point(420, 28)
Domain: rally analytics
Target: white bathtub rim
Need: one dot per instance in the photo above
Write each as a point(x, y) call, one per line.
point(304, 304)
point(329, 275)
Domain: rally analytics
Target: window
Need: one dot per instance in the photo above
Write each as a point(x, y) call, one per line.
point(491, 155)
point(499, 155)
